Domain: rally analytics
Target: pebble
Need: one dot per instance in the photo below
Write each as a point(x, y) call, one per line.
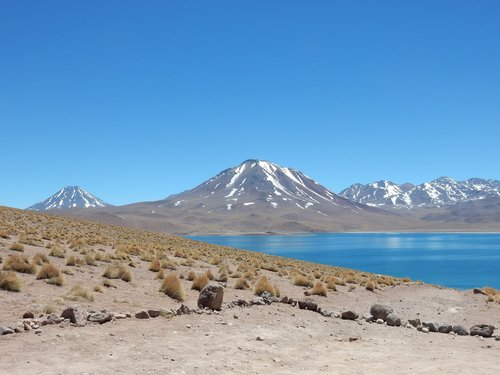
point(259, 338)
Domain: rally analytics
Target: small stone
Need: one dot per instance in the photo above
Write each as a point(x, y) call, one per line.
point(38, 331)
point(433, 327)
point(119, 316)
point(425, 330)
point(414, 322)
point(154, 313)
point(183, 310)
point(379, 321)
point(5, 331)
point(100, 318)
point(76, 315)
point(308, 304)
point(445, 328)
point(393, 320)
point(28, 315)
point(349, 315)
point(259, 338)
point(188, 325)
point(380, 311)
point(284, 299)
point(482, 330)
point(143, 314)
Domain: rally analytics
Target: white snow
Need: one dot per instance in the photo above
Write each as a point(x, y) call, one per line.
point(178, 202)
point(248, 203)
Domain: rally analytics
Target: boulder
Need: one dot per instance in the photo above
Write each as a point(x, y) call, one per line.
point(445, 328)
point(211, 297)
point(414, 322)
point(483, 330)
point(76, 315)
point(28, 315)
point(349, 315)
point(5, 331)
point(142, 314)
point(393, 320)
point(308, 304)
point(380, 311)
point(459, 330)
point(100, 317)
point(433, 327)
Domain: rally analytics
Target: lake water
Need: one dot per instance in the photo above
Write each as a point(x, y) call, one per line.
point(460, 261)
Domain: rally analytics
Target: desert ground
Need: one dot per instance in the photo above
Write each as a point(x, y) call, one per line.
point(123, 278)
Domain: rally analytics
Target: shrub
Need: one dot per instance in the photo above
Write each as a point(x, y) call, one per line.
point(10, 282)
point(161, 274)
point(172, 287)
point(200, 282)
point(371, 285)
point(19, 263)
point(79, 291)
point(242, 284)
point(51, 274)
point(89, 260)
point(118, 271)
point(39, 259)
point(108, 284)
point(215, 260)
point(16, 246)
point(318, 289)
point(263, 285)
point(209, 275)
point(155, 265)
point(57, 251)
point(223, 276)
point(71, 261)
point(191, 275)
point(302, 280)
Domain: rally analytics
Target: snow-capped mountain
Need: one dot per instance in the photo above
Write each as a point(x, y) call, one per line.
point(69, 197)
point(440, 192)
point(262, 184)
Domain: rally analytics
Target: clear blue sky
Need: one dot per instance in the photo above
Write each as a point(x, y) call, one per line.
point(136, 100)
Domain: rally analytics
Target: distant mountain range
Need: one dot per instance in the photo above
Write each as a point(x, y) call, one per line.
point(69, 197)
point(262, 197)
point(441, 192)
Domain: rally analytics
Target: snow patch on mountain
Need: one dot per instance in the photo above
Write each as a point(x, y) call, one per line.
point(69, 197)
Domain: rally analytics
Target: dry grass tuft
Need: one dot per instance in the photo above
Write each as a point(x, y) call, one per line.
point(118, 271)
point(10, 282)
point(371, 285)
point(39, 259)
point(16, 246)
point(78, 292)
point(51, 274)
point(319, 289)
point(301, 280)
point(172, 287)
point(263, 285)
point(200, 282)
point(19, 263)
point(242, 284)
point(57, 251)
point(191, 275)
point(155, 266)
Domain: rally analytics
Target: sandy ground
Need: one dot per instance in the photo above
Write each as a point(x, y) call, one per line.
point(290, 340)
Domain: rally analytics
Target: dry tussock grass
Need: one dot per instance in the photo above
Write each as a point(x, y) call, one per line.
point(172, 287)
point(16, 246)
point(9, 281)
point(79, 292)
point(319, 289)
point(263, 285)
point(200, 282)
point(19, 263)
point(51, 273)
point(118, 271)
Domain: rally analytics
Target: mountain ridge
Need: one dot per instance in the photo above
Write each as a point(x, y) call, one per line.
point(69, 197)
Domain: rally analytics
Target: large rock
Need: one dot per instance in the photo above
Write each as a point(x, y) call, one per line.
point(483, 330)
point(459, 330)
point(211, 297)
point(308, 304)
point(393, 320)
point(380, 311)
point(76, 315)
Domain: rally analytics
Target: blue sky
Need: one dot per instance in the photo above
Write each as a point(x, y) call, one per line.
point(138, 100)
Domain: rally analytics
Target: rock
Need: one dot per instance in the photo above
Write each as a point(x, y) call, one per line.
point(241, 303)
point(497, 338)
point(393, 320)
point(292, 302)
point(308, 304)
point(379, 321)
point(267, 297)
point(119, 316)
point(326, 313)
point(5, 331)
point(445, 328)
point(380, 311)
point(349, 315)
point(182, 310)
point(483, 330)
point(479, 291)
point(258, 301)
point(433, 327)
point(459, 330)
point(414, 322)
point(153, 313)
point(52, 319)
point(143, 314)
point(38, 331)
point(284, 299)
point(28, 315)
point(211, 297)
point(425, 330)
point(100, 317)
point(307, 293)
point(76, 315)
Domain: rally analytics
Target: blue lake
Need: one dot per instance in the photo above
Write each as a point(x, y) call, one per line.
point(460, 260)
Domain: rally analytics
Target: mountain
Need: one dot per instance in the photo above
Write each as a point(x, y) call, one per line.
point(69, 197)
point(254, 197)
point(440, 192)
